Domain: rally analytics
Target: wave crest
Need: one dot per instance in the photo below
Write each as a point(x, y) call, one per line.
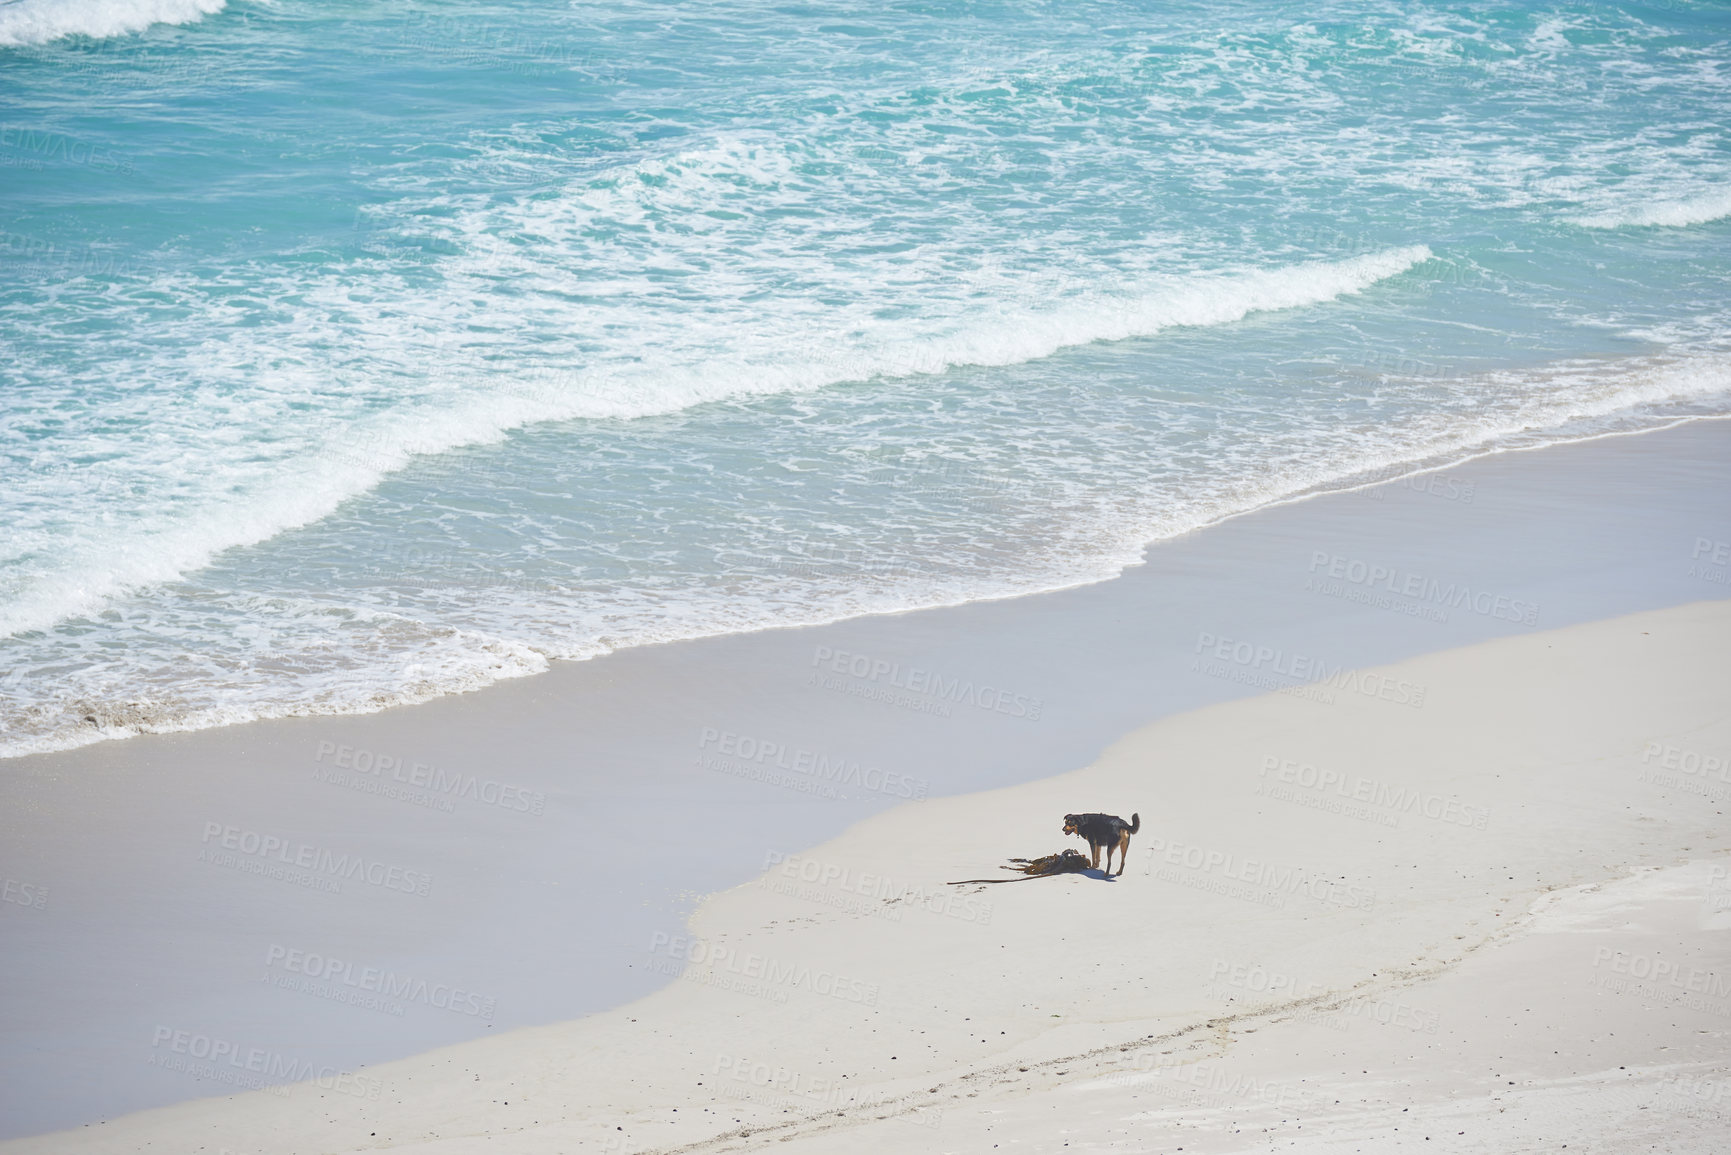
point(39, 21)
point(356, 455)
point(1695, 210)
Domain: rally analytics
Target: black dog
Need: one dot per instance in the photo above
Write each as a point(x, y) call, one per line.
point(1107, 830)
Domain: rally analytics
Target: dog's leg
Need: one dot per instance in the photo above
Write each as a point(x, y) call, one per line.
point(1094, 862)
point(1123, 851)
point(1108, 860)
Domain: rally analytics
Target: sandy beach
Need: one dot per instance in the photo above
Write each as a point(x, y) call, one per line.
point(554, 557)
point(1398, 858)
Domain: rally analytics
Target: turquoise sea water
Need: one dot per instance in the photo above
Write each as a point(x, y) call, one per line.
point(356, 353)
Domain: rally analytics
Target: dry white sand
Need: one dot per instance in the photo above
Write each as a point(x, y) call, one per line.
point(1477, 903)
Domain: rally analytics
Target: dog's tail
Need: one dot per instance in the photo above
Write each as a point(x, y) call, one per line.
point(1135, 823)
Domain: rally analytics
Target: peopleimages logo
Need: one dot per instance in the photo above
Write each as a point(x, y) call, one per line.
point(24, 894)
point(252, 1068)
point(1712, 551)
point(1657, 971)
point(926, 683)
point(1372, 792)
point(1283, 988)
point(1688, 761)
point(58, 146)
point(1271, 879)
point(1263, 666)
point(792, 1084)
point(339, 975)
point(792, 1090)
point(431, 781)
point(1430, 598)
point(1200, 1082)
point(817, 881)
point(40, 255)
point(711, 964)
point(745, 752)
point(303, 863)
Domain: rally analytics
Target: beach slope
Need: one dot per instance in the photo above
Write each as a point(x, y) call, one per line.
point(1492, 871)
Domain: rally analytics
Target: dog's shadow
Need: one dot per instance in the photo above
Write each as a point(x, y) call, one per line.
point(1096, 873)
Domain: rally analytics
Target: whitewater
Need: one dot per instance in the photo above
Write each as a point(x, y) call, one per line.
point(361, 356)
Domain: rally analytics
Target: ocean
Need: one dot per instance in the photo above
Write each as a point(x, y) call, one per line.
point(357, 353)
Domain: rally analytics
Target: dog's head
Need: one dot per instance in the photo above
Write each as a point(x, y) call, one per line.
point(1072, 822)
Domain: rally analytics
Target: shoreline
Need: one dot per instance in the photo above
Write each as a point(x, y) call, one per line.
point(1508, 442)
point(584, 820)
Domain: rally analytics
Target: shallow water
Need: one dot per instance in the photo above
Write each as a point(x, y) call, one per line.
point(359, 353)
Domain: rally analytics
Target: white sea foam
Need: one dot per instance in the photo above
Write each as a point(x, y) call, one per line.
point(1002, 333)
point(206, 657)
point(88, 572)
point(1695, 210)
point(39, 21)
